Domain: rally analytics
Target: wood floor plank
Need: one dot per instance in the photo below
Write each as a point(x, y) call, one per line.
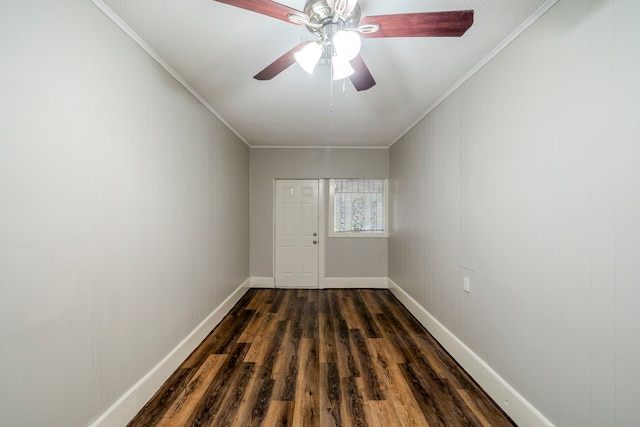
point(373, 390)
point(288, 365)
point(477, 411)
point(346, 361)
point(353, 403)
point(299, 357)
point(262, 338)
point(255, 325)
point(397, 391)
point(263, 401)
point(182, 411)
point(265, 381)
point(381, 413)
point(323, 301)
point(287, 307)
point(212, 399)
point(370, 301)
point(233, 399)
point(327, 339)
point(269, 358)
point(154, 410)
point(243, 415)
point(432, 355)
point(224, 339)
point(280, 414)
point(369, 326)
point(257, 301)
point(330, 395)
point(280, 295)
point(483, 408)
point(435, 414)
point(310, 319)
point(307, 401)
point(245, 302)
point(420, 341)
point(348, 310)
point(438, 402)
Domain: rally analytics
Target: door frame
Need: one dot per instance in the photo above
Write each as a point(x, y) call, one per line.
point(322, 235)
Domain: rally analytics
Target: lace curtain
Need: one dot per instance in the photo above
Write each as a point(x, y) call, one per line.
point(359, 205)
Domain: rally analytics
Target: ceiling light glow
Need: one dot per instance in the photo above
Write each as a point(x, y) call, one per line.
point(347, 44)
point(308, 56)
point(341, 68)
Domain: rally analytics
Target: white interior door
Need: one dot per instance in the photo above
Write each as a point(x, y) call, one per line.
point(296, 234)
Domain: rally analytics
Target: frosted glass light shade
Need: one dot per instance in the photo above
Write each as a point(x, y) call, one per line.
point(341, 68)
point(308, 56)
point(347, 44)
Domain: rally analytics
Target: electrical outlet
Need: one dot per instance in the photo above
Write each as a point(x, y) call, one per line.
point(467, 285)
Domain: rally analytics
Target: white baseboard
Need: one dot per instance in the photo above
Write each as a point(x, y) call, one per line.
point(516, 406)
point(354, 282)
point(330, 282)
point(262, 282)
point(125, 408)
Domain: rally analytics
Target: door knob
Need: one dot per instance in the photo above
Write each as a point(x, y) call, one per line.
point(315, 242)
point(315, 234)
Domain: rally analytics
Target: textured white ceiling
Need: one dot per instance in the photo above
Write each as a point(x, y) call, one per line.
point(217, 49)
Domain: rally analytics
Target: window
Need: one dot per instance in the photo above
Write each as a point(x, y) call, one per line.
point(358, 208)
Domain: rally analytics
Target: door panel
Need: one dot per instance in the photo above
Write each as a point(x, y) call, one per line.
point(296, 231)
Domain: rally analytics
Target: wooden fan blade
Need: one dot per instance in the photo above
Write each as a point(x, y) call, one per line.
point(264, 7)
point(426, 24)
point(362, 78)
point(280, 64)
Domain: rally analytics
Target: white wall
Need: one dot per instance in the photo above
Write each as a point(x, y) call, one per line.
point(344, 257)
point(123, 213)
point(526, 180)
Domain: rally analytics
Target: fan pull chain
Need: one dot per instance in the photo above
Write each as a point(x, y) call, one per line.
point(331, 89)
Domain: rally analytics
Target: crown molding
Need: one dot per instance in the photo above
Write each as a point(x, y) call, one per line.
point(153, 54)
point(506, 42)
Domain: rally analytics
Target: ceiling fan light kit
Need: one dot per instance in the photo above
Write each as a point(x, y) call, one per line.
point(341, 68)
point(347, 44)
point(339, 47)
point(308, 56)
point(338, 29)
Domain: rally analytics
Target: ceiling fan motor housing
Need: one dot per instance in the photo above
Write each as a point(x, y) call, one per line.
point(321, 14)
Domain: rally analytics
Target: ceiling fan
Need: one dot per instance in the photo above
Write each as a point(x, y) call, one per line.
point(337, 26)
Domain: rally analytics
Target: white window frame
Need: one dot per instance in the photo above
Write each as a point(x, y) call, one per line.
point(331, 222)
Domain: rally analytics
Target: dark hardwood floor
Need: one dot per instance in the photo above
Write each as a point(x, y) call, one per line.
point(319, 358)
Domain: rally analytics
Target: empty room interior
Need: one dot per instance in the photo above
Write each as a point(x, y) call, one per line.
point(486, 182)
